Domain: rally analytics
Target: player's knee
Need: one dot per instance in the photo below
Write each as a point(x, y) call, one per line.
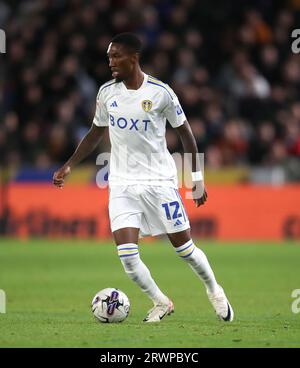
point(179, 238)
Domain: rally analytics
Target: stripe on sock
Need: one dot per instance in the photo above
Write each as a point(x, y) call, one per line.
point(186, 249)
point(127, 250)
point(128, 255)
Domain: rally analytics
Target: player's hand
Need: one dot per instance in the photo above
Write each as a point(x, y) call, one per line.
point(199, 194)
point(60, 175)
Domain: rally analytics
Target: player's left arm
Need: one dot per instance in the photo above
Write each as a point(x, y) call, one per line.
point(190, 146)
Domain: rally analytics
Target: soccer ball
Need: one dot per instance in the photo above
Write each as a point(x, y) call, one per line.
point(110, 305)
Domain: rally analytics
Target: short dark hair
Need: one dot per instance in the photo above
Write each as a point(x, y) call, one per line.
point(130, 40)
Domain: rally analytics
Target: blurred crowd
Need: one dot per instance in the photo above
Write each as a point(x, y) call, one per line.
point(230, 63)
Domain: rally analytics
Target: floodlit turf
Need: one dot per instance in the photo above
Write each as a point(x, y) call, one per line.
point(49, 287)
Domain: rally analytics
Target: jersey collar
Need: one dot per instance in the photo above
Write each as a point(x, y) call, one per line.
point(135, 91)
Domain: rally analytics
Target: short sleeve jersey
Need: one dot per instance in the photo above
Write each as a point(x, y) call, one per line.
point(137, 128)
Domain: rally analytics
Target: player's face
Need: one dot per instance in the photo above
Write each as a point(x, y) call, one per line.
point(121, 61)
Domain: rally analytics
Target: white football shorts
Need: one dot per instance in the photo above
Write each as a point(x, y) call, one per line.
point(154, 210)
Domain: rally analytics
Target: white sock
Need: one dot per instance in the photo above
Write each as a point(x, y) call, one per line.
point(199, 264)
point(139, 273)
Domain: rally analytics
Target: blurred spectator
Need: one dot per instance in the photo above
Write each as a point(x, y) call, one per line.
point(231, 67)
point(261, 143)
point(234, 142)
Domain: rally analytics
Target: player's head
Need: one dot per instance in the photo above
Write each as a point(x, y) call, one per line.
point(123, 55)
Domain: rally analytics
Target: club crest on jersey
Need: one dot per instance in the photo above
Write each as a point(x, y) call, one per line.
point(146, 105)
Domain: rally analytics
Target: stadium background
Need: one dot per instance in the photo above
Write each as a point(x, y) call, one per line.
point(232, 67)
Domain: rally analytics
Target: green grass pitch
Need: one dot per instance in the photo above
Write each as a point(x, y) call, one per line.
point(49, 286)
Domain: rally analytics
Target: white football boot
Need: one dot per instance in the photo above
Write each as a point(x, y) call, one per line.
point(221, 305)
point(159, 311)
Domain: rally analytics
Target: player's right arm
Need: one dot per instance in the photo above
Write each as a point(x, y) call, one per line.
point(84, 148)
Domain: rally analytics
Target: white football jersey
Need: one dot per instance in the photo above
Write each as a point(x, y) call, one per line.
point(137, 127)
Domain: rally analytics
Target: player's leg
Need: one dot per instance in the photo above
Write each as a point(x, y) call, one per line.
point(127, 243)
point(126, 215)
point(166, 213)
point(195, 257)
point(197, 260)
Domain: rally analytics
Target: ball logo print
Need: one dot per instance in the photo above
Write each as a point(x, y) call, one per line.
point(296, 43)
point(296, 303)
point(2, 301)
point(110, 305)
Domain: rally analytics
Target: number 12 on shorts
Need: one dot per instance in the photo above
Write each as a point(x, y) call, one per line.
point(174, 208)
